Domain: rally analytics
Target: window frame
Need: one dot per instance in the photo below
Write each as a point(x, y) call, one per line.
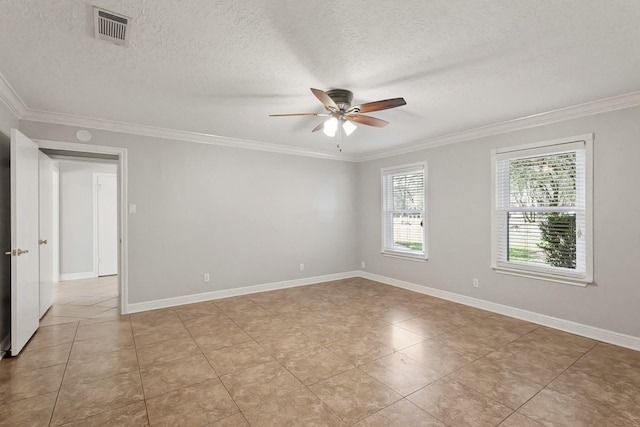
point(396, 253)
point(542, 148)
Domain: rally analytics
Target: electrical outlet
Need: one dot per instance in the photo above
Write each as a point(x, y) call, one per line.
point(362, 265)
point(475, 283)
point(207, 277)
point(301, 267)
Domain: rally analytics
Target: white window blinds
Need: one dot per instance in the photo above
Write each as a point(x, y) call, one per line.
point(540, 215)
point(403, 211)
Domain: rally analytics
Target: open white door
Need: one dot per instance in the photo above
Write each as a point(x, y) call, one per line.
point(107, 223)
point(46, 241)
point(25, 288)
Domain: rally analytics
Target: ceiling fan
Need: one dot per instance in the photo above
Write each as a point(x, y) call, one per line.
point(337, 102)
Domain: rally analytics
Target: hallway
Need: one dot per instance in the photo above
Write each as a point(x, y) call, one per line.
point(75, 300)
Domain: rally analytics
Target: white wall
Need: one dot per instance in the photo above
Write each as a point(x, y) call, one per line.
point(246, 217)
point(459, 234)
point(76, 215)
point(7, 121)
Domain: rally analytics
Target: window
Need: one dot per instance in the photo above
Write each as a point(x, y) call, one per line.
point(403, 211)
point(542, 216)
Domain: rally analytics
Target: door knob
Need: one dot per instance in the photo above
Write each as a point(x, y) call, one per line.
point(12, 253)
point(42, 242)
point(20, 251)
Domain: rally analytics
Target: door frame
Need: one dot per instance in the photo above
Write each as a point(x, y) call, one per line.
point(96, 247)
point(123, 252)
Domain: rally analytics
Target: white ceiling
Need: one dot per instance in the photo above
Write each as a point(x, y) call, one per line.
point(220, 67)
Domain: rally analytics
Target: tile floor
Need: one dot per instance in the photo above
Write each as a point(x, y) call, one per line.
point(76, 300)
point(351, 352)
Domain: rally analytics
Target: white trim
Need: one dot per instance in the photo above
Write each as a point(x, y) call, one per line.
point(226, 293)
point(605, 105)
point(592, 332)
point(179, 135)
point(123, 231)
point(11, 99)
point(572, 143)
point(77, 276)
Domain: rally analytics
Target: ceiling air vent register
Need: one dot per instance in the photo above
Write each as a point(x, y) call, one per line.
point(110, 26)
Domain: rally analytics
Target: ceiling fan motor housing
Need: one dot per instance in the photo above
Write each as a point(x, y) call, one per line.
point(341, 97)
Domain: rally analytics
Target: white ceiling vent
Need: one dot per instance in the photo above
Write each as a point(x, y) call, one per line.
point(110, 26)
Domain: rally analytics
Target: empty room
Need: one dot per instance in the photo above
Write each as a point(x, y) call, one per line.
point(296, 213)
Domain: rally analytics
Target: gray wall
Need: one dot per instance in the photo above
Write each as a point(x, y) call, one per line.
point(76, 214)
point(459, 235)
point(7, 121)
point(246, 217)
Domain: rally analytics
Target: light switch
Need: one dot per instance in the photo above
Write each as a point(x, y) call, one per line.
point(133, 209)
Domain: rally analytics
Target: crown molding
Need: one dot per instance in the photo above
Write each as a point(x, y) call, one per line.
point(562, 114)
point(10, 98)
point(180, 135)
point(15, 104)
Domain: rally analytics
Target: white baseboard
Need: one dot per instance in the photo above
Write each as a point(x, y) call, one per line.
point(77, 276)
point(226, 293)
point(5, 345)
point(603, 335)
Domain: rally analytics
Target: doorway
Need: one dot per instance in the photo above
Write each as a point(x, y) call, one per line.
point(88, 240)
point(89, 290)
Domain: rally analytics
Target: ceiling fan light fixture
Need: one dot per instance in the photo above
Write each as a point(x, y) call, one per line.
point(330, 127)
point(348, 127)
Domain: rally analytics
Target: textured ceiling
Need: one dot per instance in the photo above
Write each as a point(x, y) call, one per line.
point(220, 67)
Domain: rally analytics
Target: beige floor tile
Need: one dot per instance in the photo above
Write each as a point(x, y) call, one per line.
point(81, 400)
point(33, 411)
point(17, 385)
point(597, 392)
point(300, 408)
point(47, 336)
point(134, 415)
point(168, 376)
point(104, 330)
point(470, 342)
point(237, 357)
point(554, 341)
point(195, 405)
point(354, 395)
point(313, 364)
point(50, 319)
point(403, 374)
point(166, 351)
point(614, 364)
point(427, 328)
point(552, 408)
point(395, 337)
point(519, 420)
point(101, 365)
point(40, 357)
point(439, 357)
point(456, 405)
point(500, 385)
point(237, 420)
point(359, 350)
point(224, 337)
point(400, 414)
point(530, 361)
point(88, 349)
point(260, 383)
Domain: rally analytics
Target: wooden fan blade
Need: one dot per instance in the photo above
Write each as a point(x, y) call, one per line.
point(366, 120)
point(299, 114)
point(380, 105)
point(317, 128)
point(325, 99)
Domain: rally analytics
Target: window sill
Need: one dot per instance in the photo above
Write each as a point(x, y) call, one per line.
point(407, 256)
point(583, 283)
